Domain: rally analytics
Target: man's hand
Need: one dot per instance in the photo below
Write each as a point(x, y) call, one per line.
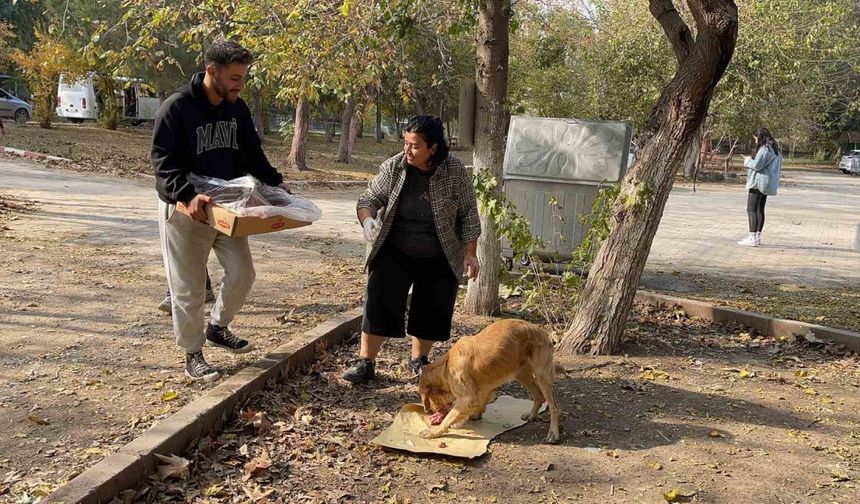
point(471, 266)
point(286, 187)
point(197, 207)
point(746, 160)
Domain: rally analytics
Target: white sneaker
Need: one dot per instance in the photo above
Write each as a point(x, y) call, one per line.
point(749, 241)
point(758, 239)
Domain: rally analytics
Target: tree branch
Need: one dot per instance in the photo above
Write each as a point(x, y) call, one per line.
point(678, 32)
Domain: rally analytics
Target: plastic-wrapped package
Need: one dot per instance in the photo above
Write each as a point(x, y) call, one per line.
point(246, 196)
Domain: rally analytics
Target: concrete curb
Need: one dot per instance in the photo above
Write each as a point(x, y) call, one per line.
point(132, 464)
point(764, 324)
point(32, 155)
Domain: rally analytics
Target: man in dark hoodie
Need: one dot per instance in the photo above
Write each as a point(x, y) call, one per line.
point(206, 129)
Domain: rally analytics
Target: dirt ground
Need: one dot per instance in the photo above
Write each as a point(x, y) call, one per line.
point(837, 307)
point(88, 362)
point(702, 412)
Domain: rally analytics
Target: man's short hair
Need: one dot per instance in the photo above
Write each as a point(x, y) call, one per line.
point(223, 52)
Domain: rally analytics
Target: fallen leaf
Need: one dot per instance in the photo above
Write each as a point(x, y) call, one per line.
point(672, 495)
point(158, 385)
point(745, 373)
point(839, 476)
point(94, 451)
point(653, 375)
point(716, 434)
point(256, 466)
point(675, 495)
point(213, 491)
point(127, 496)
point(657, 466)
point(169, 396)
point(441, 486)
point(174, 467)
point(812, 339)
point(810, 391)
point(36, 419)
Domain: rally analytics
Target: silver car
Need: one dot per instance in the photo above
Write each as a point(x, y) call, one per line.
point(850, 163)
point(14, 108)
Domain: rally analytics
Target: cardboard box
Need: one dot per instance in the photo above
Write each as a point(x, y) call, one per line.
point(230, 224)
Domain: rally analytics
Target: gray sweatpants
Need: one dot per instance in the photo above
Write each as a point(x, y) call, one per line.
point(185, 246)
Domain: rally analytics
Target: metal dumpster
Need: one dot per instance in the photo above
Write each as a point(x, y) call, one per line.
point(552, 171)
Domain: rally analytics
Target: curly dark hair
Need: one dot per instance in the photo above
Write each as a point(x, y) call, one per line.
point(431, 129)
point(223, 52)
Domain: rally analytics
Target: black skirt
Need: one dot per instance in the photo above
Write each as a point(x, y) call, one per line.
point(434, 293)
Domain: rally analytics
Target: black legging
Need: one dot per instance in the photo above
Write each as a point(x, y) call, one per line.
point(755, 210)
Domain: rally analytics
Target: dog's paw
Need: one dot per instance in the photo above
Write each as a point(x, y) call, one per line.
point(552, 438)
point(427, 434)
point(528, 417)
point(477, 417)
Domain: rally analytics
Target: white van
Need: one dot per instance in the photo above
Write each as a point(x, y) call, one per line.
point(77, 101)
point(80, 101)
point(139, 101)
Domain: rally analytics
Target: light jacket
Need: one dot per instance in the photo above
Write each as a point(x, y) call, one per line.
point(452, 200)
point(763, 171)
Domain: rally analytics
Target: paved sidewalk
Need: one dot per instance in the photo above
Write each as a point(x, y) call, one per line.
point(811, 232)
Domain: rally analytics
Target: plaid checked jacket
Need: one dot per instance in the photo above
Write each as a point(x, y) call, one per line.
point(452, 200)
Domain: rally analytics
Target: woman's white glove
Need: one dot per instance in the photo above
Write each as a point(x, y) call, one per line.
point(369, 226)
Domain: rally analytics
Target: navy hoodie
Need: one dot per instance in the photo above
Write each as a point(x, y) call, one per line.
point(193, 136)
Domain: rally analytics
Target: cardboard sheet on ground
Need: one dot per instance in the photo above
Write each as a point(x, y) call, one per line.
point(468, 441)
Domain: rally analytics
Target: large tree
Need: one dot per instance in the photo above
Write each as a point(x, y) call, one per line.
point(491, 125)
point(702, 58)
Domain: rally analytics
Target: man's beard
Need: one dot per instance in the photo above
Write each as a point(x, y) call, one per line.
point(224, 92)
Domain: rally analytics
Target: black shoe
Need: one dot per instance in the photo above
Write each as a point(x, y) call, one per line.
point(417, 364)
point(222, 337)
point(166, 304)
point(360, 372)
point(197, 368)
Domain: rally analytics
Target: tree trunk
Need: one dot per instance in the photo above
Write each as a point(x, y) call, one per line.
point(397, 117)
point(258, 113)
point(731, 155)
point(419, 103)
point(691, 159)
point(491, 124)
point(614, 277)
point(378, 118)
point(354, 130)
point(264, 115)
point(329, 131)
point(297, 159)
point(345, 120)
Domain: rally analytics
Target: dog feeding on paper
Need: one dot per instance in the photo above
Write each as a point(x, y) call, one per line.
point(458, 386)
point(461, 411)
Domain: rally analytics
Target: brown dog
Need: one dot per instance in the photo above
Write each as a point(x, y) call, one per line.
point(469, 375)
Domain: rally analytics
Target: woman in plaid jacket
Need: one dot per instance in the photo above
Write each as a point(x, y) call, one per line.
point(420, 216)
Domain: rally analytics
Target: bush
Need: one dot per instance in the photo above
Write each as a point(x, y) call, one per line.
point(42, 66)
